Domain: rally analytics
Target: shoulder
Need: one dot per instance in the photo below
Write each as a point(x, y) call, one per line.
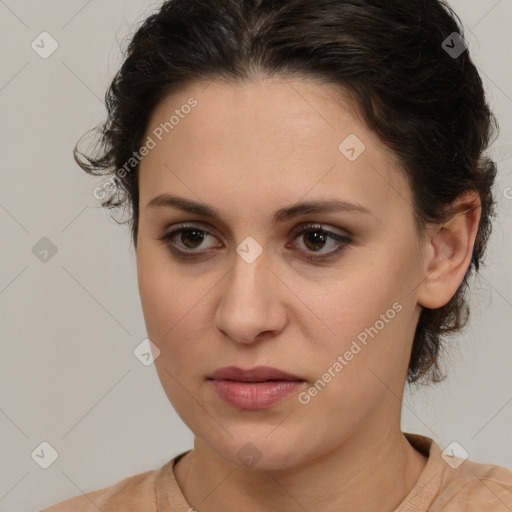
point(481, 486)
point(132, 494)
point(451, 483)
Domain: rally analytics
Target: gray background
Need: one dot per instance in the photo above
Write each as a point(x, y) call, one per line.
point(69, 325)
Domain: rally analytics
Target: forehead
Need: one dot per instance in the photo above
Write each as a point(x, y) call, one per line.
point(265, 143)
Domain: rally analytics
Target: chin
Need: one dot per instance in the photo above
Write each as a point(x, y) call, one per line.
point(261, 452)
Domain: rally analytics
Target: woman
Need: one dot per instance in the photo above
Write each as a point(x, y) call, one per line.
point(309, 194)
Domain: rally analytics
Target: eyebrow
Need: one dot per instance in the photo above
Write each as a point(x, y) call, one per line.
point(281, 215)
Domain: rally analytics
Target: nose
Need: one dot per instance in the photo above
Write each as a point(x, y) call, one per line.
point(252, 303)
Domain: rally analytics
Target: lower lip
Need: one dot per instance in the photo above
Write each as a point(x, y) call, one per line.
point(255, 395)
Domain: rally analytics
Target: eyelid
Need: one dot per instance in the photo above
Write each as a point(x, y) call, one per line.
point(206, 227)
point(321, 227)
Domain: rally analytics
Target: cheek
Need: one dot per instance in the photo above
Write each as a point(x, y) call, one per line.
point(355, 368)
point(174, 308)
point(367, 327)
point(171, 304)
point(163, 291)
point(155, 291)
point(368, 316)
point(356, 300)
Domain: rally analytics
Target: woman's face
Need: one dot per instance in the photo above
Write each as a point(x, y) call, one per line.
point(246, 293)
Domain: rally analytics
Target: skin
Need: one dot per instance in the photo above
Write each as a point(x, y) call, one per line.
point(248, 150)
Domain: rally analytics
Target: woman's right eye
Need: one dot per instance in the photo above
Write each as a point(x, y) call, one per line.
point(191, 238)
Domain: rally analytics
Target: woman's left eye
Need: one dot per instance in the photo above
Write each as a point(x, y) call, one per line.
point(314, 238)
point(316, 235)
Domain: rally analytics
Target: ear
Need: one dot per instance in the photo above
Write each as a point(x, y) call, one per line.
point(449, 248)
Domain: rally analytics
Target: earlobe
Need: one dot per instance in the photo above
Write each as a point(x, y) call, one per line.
point(450, 248)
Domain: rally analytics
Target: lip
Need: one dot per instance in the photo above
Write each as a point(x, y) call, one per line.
point(255, 388)
point(256, 374)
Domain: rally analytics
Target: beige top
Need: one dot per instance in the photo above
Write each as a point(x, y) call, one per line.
point(445, 485)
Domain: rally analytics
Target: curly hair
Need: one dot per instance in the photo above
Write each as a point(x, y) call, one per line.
point(426, 103)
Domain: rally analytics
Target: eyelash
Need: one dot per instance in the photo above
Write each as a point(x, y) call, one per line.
point(343, 241)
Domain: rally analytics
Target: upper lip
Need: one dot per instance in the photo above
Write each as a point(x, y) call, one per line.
point(256, 374)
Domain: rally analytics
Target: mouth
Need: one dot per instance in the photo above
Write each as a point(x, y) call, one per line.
point(256, 388)
point(256, 374)
point(258, 381)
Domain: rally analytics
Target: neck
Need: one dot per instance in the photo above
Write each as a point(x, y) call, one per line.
point(374, 471)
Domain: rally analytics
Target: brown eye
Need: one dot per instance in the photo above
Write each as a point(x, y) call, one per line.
point(187, 241)
point(191, 238)
point(315, 238)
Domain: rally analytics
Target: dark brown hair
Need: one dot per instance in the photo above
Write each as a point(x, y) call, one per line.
point(425, 102)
